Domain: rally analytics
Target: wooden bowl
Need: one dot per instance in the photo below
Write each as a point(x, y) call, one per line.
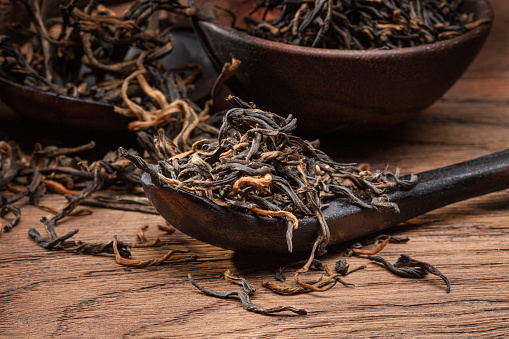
point(336, 90)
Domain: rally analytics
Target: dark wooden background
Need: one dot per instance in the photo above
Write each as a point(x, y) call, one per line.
point(46, 293)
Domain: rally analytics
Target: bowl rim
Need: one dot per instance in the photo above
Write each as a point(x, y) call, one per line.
point(240, 36)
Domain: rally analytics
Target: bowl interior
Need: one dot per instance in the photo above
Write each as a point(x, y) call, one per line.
point(229, 14)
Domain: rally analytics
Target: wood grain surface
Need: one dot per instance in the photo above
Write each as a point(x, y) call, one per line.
point(46, 294)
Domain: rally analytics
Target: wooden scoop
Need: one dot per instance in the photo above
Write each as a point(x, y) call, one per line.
point(231, 229)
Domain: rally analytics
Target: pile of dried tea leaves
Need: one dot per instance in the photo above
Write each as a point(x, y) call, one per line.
point(360, 24)
point(257, 165)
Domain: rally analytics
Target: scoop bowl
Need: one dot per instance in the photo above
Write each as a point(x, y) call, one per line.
point(91, 115)
point(231, 229)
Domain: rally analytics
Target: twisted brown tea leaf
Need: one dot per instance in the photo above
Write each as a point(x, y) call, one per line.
point(243, 296)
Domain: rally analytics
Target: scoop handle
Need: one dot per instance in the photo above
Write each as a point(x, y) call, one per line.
point(232, 229)
point(434, 189)
point(447, 185)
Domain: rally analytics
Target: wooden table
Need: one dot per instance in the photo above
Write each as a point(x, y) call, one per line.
point(45, 293)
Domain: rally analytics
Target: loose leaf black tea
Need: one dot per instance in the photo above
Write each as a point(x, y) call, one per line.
point(342, 267)
point(244, 298)
point(258, 166)
point(53, 169)
point(121, 260)
point(55, 242)
point(360, 24)
point(410, 268)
